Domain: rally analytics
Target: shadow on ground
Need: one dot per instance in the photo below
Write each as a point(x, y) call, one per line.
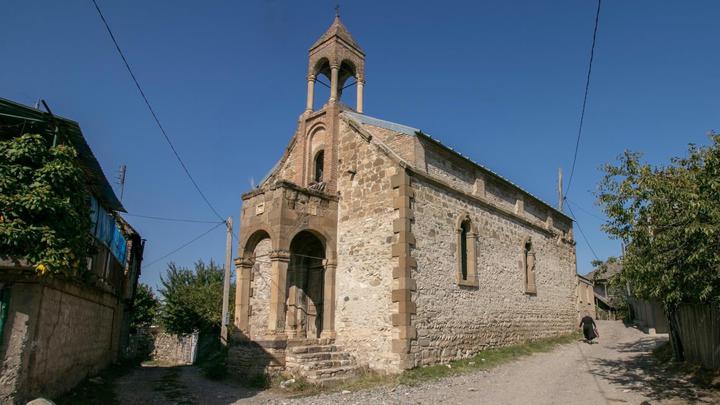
point(644, 374)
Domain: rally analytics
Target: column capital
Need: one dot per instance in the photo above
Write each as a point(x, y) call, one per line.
point(335, 65)
point(311, 77)
point(280, 255)
point(329, 263)
point(243, 262)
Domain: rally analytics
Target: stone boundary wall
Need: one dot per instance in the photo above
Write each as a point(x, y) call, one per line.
point(163, 347)
point(57, 333)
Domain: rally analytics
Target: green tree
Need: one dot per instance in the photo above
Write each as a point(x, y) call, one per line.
point(669, 219)
point(192, 299)
point(44, 206)
point(145, 308)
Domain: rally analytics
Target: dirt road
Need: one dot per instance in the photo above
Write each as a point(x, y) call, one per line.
point(617, 370)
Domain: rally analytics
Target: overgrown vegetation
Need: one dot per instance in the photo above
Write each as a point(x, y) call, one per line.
point(44, 206)
point(669, 220)
point(145, 308)
point(192, 298)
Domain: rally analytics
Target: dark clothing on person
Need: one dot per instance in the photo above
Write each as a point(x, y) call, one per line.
point(588, 326)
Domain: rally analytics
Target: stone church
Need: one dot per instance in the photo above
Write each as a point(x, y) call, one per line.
point(372, 244)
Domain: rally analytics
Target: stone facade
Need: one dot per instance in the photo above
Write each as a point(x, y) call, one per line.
point(585, 298)
point(393, 249)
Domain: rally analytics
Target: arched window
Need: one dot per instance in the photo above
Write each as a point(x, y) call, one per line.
point(464, 233)
point(529, 266)
point(466, 262)
point(319, 166)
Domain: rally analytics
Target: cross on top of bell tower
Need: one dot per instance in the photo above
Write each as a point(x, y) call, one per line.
point(337, 56)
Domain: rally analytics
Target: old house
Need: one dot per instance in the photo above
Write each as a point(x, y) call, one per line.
point(371, 243)
point(585, 297)
point(55, 331)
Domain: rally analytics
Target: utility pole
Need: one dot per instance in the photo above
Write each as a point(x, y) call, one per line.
point(226, 284)
point(560, 190)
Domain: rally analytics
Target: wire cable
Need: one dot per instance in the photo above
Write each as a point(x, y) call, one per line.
point(578, 206)
point(582, 233)
point(584, 104)
point(197, 221)
point(152, 111)
point(184, 245)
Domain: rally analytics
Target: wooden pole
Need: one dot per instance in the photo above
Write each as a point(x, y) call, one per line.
point(560, 189)
point(226, 284)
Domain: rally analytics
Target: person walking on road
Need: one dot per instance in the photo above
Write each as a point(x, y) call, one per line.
point(589, 328)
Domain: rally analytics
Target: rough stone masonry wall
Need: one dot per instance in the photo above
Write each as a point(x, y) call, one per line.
point(454, 322)
point(260, 290)
point(365, 236)
point(58, 334)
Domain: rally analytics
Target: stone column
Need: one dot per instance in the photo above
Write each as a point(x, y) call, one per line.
point(243, 269)
point(334, 70)
point(278, 281)
point(294, 280)
point(360, 85)
point(328, 324)
point(310, 93)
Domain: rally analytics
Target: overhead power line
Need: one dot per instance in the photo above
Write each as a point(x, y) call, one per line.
point(154, 115)
point(578, 206)
point(184, 245)
point(197, 221)
point(585, 97)
point(587, 242)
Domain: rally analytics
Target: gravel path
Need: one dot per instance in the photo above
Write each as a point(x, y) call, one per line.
point(617, 370)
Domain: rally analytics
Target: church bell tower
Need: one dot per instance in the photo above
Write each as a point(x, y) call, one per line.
point(338, 57)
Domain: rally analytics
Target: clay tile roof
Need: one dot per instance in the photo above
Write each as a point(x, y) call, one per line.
point(337, 29)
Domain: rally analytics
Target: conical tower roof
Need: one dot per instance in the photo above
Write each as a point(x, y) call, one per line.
point(337, 29)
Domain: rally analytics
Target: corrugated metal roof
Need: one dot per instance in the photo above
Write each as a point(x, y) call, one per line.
point(407, 130)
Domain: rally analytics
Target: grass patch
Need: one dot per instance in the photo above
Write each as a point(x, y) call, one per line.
point(99, 389)
point(483, 360)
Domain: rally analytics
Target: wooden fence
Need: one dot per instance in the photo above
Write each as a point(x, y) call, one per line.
point(700, 334)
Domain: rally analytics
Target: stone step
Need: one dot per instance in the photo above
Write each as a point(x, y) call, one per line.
point(327, 364)
point(322, 374)
point(319, 356)
point(331, 381)
point(309, 342)
point(314, 349)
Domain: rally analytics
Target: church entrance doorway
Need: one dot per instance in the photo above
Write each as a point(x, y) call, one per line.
point(306, 273)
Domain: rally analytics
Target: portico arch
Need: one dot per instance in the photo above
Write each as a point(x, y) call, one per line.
point(306, 274)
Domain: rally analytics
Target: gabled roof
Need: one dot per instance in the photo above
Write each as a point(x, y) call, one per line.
point(42, 121)
point(407, 130)
point(337, 29)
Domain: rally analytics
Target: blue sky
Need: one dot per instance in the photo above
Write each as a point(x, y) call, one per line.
point(501, 81)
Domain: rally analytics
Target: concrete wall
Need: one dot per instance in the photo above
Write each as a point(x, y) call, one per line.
point(57, 333)
point(364, 271)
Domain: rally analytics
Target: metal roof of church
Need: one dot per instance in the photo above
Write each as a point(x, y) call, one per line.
point(404, 129)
